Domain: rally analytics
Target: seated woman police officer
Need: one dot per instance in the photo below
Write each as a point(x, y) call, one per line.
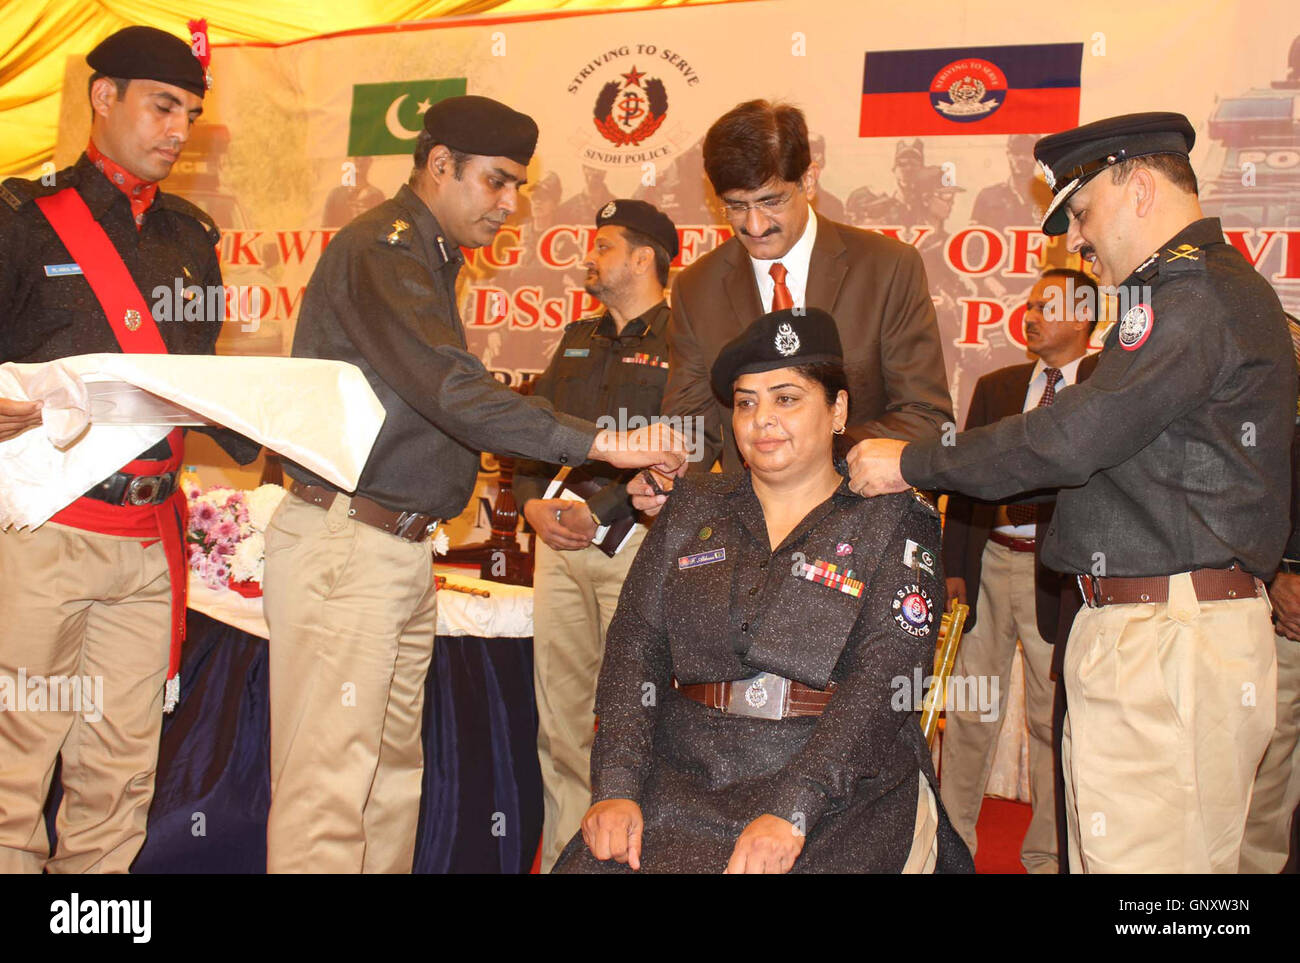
point(755, 703)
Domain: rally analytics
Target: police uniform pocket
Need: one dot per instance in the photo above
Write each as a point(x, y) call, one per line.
point(18, 340)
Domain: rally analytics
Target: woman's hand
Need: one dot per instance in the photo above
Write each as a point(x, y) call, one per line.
point(769, 844)
point(612, 830)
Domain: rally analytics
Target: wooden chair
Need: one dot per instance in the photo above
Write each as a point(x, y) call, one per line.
point(945, 654)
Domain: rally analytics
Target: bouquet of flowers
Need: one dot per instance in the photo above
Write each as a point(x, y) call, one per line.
point(226, 537)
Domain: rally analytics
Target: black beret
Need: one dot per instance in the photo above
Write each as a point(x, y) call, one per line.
point(643, 217)
point(146, 53)
point(481, 125)
point(1071, 158)
point(781, 339)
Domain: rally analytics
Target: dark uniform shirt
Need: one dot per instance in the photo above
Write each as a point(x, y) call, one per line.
point(383, 297)
point(1174, 455)
point(707, 600)
point(46, 314)
point(596, 372)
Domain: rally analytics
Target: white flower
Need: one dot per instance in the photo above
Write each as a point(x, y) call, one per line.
point(262, 503)
point(247, 563)
point(441, 543)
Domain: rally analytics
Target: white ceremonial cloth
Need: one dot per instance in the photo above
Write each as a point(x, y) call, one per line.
point(506, 614)
point(321, 414)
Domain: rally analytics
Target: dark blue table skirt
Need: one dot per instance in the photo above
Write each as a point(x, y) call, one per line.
point(482, 805)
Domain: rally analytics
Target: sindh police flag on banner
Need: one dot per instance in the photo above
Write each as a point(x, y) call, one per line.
point(386, 118)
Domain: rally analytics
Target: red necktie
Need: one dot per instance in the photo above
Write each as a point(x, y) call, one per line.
point(781, 299)
point(1028, 514)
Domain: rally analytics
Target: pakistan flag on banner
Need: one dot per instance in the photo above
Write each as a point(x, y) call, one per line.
point(386, 118)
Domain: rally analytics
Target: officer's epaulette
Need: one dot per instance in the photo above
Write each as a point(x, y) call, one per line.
point(1182, 259)
point(1176, 259)
point(180, 205)
point(17, 191)
point(396, 233)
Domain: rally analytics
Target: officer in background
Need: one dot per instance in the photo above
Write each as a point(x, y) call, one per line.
point(98, 590)
point(990, 558)
point(350, 597)
point(1173, 460)
point(613, 366)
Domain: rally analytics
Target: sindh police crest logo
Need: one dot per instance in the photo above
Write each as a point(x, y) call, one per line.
point(787, 342)
point(913, 610)
point(1135, 327)
point(967, 90)
point(627, 113)
point(609, 209)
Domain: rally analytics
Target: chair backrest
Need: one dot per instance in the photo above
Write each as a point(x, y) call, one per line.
point(945, 654)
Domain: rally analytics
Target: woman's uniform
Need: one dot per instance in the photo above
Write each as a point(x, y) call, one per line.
point(853, 596)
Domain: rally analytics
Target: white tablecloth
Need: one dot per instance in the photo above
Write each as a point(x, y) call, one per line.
point(507, 613)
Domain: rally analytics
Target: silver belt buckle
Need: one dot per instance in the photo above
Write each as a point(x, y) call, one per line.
point(407, 529)
point(760, 697)
point(143, 489)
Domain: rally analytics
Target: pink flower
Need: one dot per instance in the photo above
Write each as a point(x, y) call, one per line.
point(204, 515)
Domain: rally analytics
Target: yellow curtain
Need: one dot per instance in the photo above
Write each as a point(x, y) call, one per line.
point(36, 40)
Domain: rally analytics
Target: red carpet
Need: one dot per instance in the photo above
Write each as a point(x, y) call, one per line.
point(1001, 829)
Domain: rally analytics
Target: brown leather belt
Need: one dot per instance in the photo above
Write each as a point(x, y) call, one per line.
point(411, 526)
point(1011, 542)
point(764, 696)
point(1211, 585)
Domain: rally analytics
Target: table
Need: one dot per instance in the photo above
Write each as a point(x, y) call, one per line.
point(482, 802)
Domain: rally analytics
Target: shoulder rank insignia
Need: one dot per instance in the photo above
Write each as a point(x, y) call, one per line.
point(400, 227)
point(10, 198)
point(1189, 252)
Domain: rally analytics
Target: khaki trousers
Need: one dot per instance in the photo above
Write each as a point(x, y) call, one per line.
point(97, 609)
point(574, 598)
point(352, 613)
point(1007, 611)
point(1170, 709)
point(924, 854)
point(1267, 842)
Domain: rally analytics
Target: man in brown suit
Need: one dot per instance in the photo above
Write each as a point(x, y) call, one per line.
point(990, 558)
point(783, 255)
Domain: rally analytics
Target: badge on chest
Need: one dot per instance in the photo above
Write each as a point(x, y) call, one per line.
point(701, 558)
point(832, 576)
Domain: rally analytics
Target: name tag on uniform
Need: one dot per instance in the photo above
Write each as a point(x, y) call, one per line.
point(702, 558)
point(62, 270)
point(576, 352)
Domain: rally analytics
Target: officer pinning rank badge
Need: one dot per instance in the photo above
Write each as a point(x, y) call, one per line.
point(824, 573)
point(1135, 327)
point(913, 610)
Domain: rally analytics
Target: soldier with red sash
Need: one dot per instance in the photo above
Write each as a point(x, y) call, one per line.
point(96, 595)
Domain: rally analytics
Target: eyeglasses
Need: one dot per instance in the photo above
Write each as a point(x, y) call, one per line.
point(768, 205)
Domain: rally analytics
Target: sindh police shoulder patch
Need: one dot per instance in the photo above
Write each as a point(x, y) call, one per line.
point(913, 610)
point(1135, 327)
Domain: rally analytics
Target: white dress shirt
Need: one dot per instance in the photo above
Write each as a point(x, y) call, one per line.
point(796, 265)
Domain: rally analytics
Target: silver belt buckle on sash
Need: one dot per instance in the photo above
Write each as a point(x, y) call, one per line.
point(759, 697)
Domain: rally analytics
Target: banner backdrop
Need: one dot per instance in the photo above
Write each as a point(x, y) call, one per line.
point(924, 116)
